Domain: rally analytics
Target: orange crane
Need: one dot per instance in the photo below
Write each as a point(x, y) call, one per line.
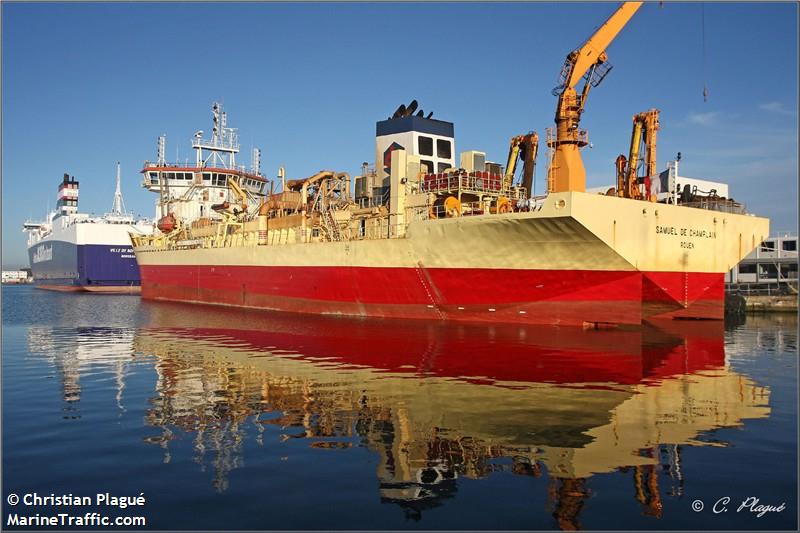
point(523, 147)
point(588, 63)
point(643, 140)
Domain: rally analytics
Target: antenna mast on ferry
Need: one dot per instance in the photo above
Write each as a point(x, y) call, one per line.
point(119, 205)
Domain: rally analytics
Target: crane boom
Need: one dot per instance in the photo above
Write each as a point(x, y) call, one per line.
point(524, 147)
point(566, 172)
point(643, 141)
point(593, 51)
point(233, 209)
point(632, 179)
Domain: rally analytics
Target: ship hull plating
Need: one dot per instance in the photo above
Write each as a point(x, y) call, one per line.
point(542, 297)
point(579, 259)
point(65, 266)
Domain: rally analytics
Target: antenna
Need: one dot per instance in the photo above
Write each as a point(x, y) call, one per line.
point(119, 205)
point(705, 55)
point(215, 130)
point(162, 147)
point(256, 161)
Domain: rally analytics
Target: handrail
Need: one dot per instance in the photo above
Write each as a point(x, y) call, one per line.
point(716, 204)
point(211, 144)
point(483, 184)
point(150, 166)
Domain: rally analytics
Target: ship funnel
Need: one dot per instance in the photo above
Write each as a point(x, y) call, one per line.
point(400, 111)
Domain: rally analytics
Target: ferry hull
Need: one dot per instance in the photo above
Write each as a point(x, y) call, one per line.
point(70, 267)
point(580, 259)
point(110, 289)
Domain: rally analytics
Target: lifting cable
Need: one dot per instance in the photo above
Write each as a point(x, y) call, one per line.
point(703, 31)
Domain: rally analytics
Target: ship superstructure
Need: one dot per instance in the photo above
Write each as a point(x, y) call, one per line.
point(72, 251)
point(190, 192)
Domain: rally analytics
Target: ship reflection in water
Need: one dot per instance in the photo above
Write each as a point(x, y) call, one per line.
point(437, 403)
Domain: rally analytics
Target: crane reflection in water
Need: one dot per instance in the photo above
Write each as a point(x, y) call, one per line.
point(438, 402)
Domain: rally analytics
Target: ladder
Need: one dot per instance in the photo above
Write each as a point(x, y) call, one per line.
point(550, 141)
point(331, 226)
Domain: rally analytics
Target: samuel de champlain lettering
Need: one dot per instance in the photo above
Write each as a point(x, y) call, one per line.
point(686, 232)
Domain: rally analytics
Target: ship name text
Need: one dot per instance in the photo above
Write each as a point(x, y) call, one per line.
point(686, 232)
point(43, 253)
point(125, 253)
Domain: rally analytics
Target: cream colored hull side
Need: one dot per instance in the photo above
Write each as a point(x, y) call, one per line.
point(572, 231)
point(668, 238)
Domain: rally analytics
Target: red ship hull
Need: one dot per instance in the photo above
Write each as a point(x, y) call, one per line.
point(567, 297)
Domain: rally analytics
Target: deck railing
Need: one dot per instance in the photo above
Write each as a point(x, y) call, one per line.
point(473, 182)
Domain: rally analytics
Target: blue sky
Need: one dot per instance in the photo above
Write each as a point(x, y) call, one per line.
point(86, 85)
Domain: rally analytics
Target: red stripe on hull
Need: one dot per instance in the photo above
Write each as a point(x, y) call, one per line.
point(683, 295)
point(486, 295)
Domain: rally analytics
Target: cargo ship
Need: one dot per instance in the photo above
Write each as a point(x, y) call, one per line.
point(72, 251)
point(423, 236)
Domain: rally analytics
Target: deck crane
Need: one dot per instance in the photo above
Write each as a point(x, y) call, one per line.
point(643, 139)
point(589, 62)
point(524, 147)
point(236, 208)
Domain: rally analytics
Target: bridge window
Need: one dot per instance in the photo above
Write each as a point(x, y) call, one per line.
point(443, 149)
point(747, 268)
point(768, 246)
point(789, 246)
point(154, 177)
point(425, 145)
point(206, 176)
point(767, 271)
point(427, 165)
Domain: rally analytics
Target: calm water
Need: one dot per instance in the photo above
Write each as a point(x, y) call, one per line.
point(227, 419)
